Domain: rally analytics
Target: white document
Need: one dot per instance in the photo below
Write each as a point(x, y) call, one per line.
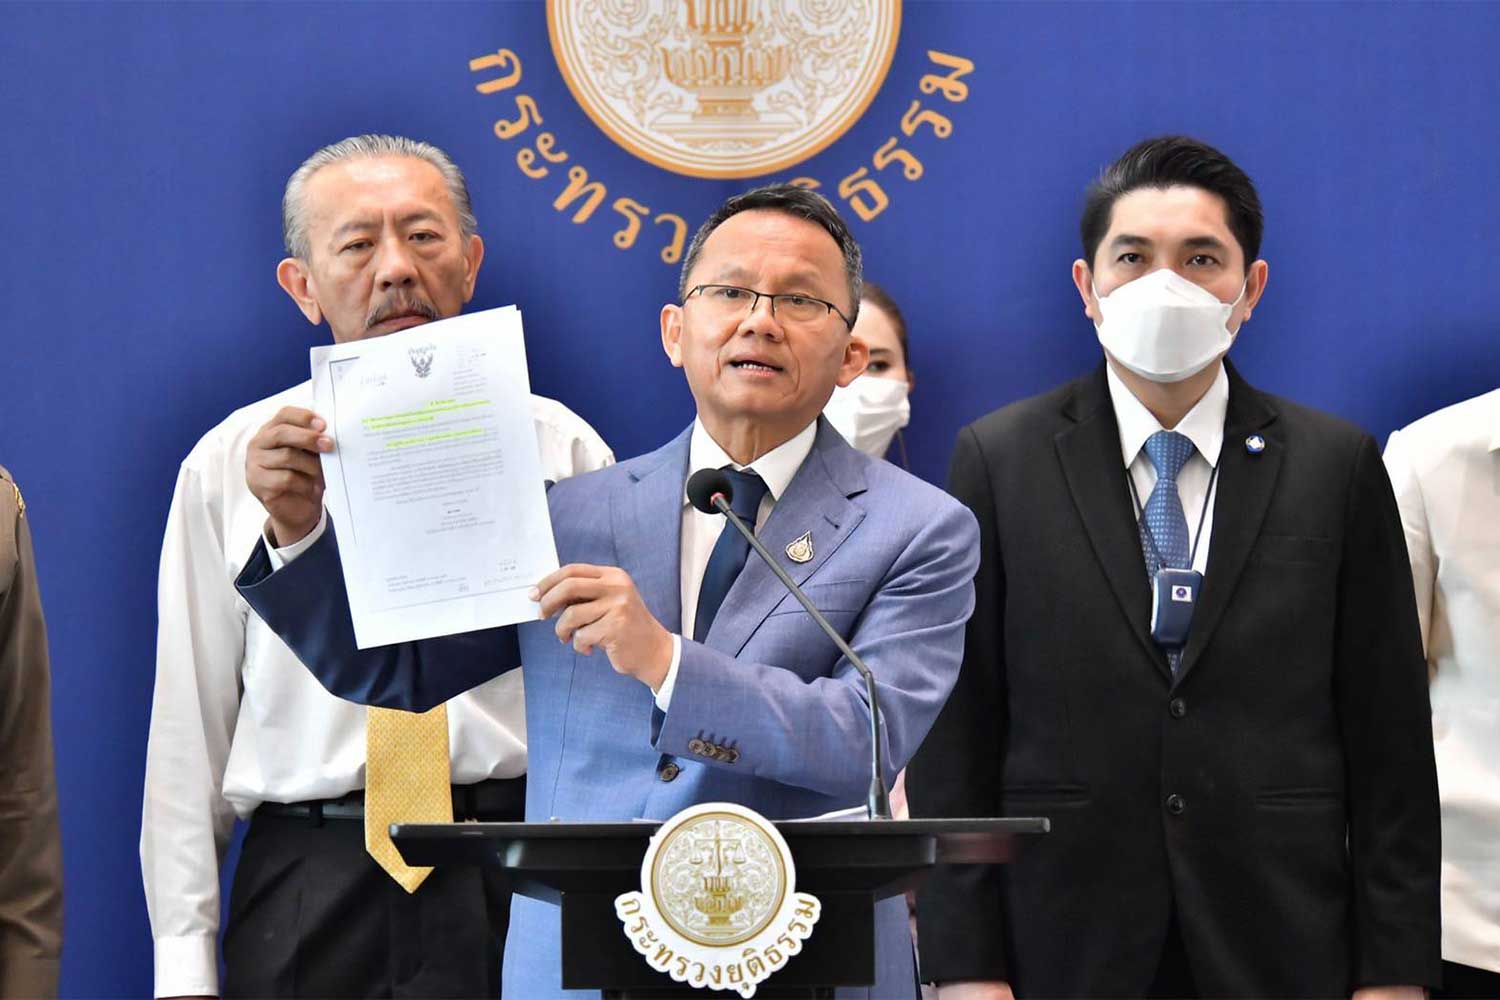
point(852, 813)
point(435, 485)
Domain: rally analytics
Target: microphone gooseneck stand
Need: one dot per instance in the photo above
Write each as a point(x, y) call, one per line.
point(710, 490)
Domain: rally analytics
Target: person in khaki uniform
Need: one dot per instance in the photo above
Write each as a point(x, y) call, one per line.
point(30, 851)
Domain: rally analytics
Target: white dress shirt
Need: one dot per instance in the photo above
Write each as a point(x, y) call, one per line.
point(236, 720)
point(1445, 469)
point(700, 531)
point(1204, 426)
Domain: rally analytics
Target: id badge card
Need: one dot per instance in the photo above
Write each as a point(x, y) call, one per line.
point(1173, 598)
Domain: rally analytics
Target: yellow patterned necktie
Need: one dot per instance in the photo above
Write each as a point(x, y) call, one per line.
point(406, 781)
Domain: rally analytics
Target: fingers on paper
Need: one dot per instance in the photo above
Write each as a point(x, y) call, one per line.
point(547, 584)
point(294, 427)
point(292, 460)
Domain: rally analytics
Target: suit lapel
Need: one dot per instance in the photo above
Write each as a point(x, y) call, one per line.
point(816, 501)
point(1246, 484)
point(1090, 455)
point(646, 521)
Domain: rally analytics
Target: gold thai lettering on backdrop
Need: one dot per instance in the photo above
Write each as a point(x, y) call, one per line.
point(579, 194)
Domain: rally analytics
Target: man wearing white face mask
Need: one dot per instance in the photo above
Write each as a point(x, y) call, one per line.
point(870, 411)
point(1194, 648)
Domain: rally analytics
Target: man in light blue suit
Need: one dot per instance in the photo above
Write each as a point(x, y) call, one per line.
point(668, 670)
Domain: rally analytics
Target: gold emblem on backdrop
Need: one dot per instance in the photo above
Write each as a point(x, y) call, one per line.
point(724, 88)
point(717, 88)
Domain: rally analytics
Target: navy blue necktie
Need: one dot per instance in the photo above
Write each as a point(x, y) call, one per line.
point(728, 556)
point(1164, 530)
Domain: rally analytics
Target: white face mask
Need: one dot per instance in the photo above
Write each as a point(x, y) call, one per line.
point(1163, 327)
point(868, 412)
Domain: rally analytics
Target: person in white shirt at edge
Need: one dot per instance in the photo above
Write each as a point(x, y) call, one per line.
point(380, 237)
point(1445, 469)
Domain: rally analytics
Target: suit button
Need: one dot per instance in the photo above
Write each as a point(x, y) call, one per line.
point(669, 771)
point(732, 756)
point(1177, 707)
point(695, 746)
point(1176, 804)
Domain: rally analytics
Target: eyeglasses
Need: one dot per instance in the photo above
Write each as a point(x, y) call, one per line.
point(734, 302)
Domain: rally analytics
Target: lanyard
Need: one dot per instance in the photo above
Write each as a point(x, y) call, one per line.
point(1140, 514)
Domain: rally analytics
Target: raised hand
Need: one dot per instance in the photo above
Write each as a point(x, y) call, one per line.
point(283, 471)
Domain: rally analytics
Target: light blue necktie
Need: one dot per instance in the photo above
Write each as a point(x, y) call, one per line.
point(1164, 530)
point(728, 556)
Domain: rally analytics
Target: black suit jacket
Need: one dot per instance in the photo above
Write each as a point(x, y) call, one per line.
point(1280, 793)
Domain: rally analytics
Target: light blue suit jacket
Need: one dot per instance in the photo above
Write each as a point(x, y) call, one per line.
point(893, 565)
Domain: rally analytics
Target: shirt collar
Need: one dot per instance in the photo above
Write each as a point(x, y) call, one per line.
point(776, 467)
point(1203, 425)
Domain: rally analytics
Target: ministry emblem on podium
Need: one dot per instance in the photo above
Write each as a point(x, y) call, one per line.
point(724, 88)
point(718, 907)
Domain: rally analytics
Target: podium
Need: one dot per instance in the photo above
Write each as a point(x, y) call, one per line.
point(582, 867)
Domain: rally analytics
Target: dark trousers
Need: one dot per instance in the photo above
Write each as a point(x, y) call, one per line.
point(1468, 982)
point(312, 915)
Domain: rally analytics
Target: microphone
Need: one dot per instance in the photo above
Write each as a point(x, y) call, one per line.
point(710, 491)
point(707, 485)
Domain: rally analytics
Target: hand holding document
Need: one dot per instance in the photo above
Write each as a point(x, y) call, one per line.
point(435, 485)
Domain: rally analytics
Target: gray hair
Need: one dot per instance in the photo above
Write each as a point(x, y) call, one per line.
point(293, 209)
point(798, 202)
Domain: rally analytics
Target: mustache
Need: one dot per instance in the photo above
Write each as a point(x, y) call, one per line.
point(401, 305)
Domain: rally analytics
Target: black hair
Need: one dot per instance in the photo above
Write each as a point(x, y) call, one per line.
point(1174, 161)
point(881, 299)
point(793, 200)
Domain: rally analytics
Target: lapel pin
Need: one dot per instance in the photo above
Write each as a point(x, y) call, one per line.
point(1255, 444)
point(800, 550)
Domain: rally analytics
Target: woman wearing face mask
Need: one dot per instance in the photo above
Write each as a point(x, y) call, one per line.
point(872, 409)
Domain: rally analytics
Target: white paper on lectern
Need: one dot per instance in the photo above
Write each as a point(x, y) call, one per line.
point(435, 484)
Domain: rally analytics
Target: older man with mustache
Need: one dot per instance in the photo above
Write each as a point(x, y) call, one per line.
point(380, 237)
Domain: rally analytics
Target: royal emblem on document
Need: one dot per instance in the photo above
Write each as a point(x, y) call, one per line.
point(421, 359)
point(718, 907)
point(724, 88)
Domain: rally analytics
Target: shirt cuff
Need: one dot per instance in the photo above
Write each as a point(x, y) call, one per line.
point(664, 693)
point(187, 966)
point(280, 557)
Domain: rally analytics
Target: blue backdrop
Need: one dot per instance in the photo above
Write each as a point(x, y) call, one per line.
point(148, 144)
